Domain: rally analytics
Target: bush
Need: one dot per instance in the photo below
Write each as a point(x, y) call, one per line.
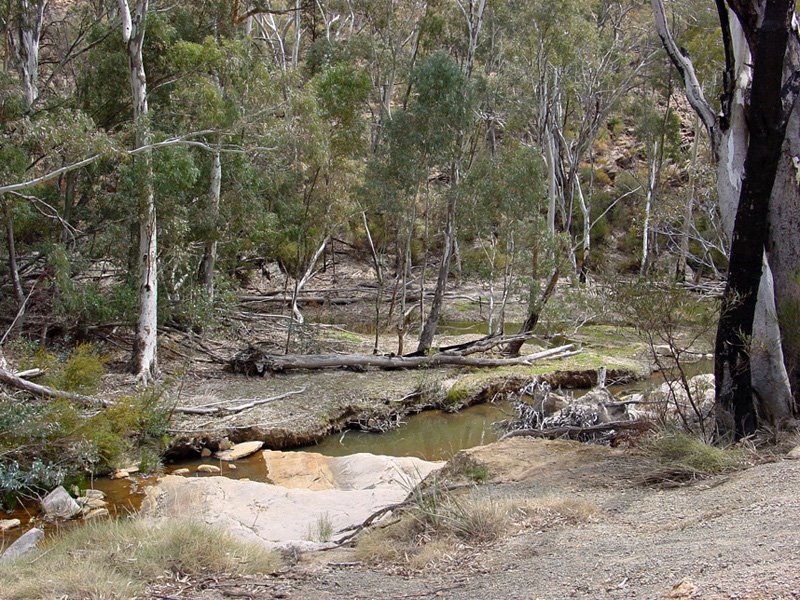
point(45, 444)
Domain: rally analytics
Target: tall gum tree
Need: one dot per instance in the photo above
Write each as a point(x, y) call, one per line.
point(754, 138)
point(145, 363)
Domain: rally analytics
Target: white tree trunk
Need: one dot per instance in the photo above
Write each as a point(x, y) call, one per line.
point(24, 40)
point(297, 31)
point(770, 379)
point(145, 347)
point(648, 208)
point(552, 191)
point(210, 251)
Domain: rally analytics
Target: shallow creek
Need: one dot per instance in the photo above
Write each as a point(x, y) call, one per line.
point(430, 435)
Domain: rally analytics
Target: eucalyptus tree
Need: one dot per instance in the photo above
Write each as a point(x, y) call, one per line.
point(754, 136)
point(25, 23)
point(145, 359)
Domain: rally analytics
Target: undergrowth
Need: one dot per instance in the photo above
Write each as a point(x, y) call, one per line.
point(120, 558)
point(45, 443)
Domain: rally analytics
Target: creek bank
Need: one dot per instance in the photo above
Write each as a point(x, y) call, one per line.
point(366, 406)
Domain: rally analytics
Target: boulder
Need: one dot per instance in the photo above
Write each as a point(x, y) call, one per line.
point(6, 524)
point(208, 469)
point(238, 451)
point(60, 504)
point(120, 474)
point(183, 471)
point(794, 453)
point(205, 452)
point(26, 543)
point(93, 494)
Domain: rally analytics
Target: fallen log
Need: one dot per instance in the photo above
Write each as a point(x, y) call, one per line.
point(213, 409)
point(15, 381)
point(254, 362)
point(573, 432)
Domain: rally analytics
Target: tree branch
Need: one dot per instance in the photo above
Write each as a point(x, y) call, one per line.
point(679, 58)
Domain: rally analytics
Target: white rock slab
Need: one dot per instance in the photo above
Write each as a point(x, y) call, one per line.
point(346, 491)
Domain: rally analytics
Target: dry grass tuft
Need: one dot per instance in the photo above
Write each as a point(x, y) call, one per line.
point(436, 526)
point(119, 559)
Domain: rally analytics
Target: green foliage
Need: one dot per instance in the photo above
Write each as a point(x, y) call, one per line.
point(43, 444)
point(77, 371)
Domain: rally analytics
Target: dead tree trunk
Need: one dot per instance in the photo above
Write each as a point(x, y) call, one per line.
point(534, 312)
point(738, 411)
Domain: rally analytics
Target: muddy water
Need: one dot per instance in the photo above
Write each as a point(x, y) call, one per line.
point(431, 435)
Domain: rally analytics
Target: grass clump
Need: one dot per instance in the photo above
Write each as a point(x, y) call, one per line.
point(691, 451)
point(322, 529)
point(120, 559)
point(681, 457)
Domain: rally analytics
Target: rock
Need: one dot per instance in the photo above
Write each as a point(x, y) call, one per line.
point(183, 471)
point(794, 453)
point(208, 469)
point(26, 543)
point(344, 490)
point(238, 451)
point(205, 453)
point(684, 590)
point(60, 504)
point(232, 467)
point(93, 494)
point(91, 503)
point(664, 350)
point(224, 444)
point(6, 524)
point(120, 474)
point(96, 513)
